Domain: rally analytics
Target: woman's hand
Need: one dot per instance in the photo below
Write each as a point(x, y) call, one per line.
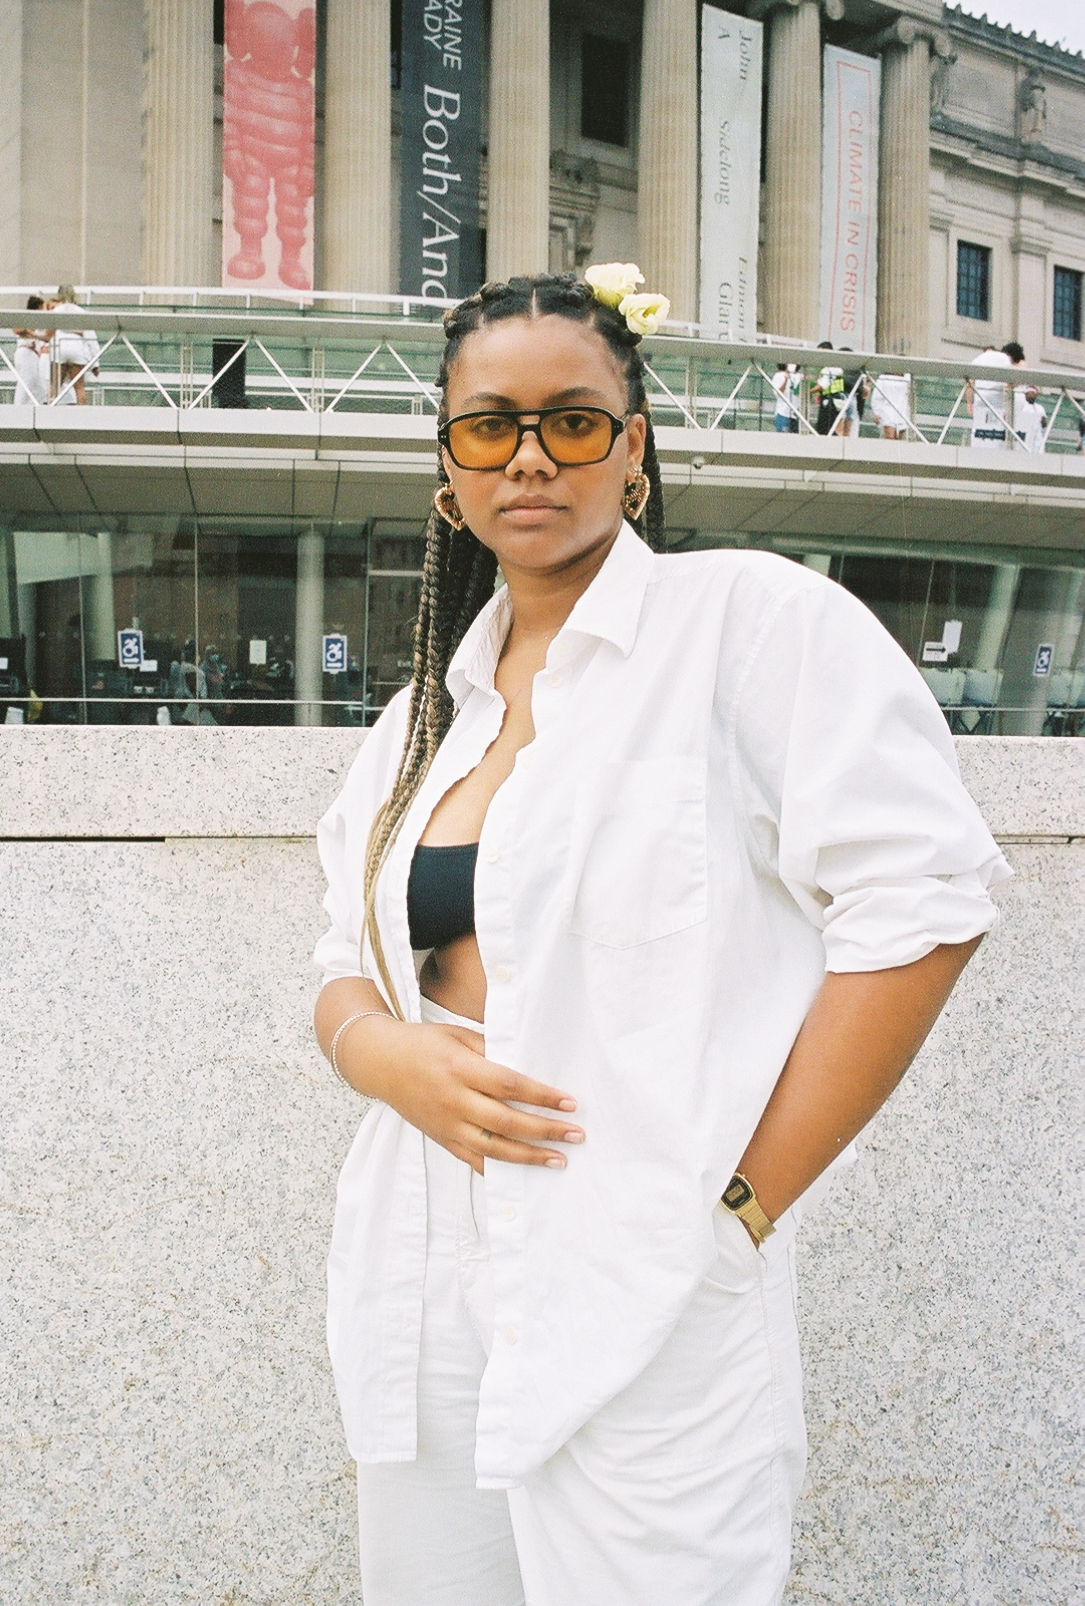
point(438, 1079)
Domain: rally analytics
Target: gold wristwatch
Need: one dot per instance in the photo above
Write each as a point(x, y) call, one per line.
point(740, 1199)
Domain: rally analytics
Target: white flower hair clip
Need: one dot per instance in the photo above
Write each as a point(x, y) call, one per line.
point(615, 285)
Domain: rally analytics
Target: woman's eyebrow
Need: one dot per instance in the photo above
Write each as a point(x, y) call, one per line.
point(489, 398)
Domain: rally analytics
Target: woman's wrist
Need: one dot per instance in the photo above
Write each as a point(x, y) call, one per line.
point(350, 1057)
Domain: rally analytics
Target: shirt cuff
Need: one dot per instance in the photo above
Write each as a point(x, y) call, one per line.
point(896, 923)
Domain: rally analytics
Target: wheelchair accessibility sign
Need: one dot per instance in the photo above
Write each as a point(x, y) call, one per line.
point(335, 655)
point(1044, 654)
point(130, 648)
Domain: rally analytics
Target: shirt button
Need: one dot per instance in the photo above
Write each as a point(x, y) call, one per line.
point(508, 1212)
point(492, 855)
point(511, 1335)
point(503, 973)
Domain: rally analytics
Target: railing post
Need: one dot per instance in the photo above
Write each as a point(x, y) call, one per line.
point(316, 373)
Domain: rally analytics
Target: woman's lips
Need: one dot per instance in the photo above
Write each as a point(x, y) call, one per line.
point(528, 511)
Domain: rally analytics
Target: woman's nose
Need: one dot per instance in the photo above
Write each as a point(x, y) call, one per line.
point(531, 459)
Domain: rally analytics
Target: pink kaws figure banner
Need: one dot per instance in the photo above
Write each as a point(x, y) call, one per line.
point(268, 132)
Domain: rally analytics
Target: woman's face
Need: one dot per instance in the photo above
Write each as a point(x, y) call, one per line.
point(532, 514)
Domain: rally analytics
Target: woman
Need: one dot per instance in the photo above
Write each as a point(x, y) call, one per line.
point(74, 350)
point(32, 361)
point(787, 383)
point(598, 859)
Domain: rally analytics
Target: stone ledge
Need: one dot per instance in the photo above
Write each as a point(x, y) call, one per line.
point(273, 781)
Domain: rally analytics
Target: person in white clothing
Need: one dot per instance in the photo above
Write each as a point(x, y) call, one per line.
point(75, 351)
point(32, 361)
point(787, 383)
point(988, 400)
point(1029, 420)
point(891, 404)
point(642, 897)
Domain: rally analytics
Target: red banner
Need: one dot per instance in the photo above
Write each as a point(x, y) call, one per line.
point(268, 134)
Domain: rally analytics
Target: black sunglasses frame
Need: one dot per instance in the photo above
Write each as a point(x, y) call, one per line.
point(617, 425)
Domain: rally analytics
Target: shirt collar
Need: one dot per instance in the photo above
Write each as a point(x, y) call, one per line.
point(609, 610)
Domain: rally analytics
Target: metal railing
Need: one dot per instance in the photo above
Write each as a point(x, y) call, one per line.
point(331, 352)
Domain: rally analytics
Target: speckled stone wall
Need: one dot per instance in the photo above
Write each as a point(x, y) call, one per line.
point(170, 1139)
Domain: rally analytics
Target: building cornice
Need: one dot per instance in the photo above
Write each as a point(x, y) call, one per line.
point(978, 31)
point(1005, 150)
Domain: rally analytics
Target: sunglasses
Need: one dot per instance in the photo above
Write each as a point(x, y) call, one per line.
point(571, 437)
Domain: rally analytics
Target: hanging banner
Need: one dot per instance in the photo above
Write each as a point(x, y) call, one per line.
point(268, 140)
point(730, 172)
point(440, 106)
point(849, 199)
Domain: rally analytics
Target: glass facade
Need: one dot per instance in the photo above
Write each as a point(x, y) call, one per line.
point(231, 621)
point(207, 622)
point(973, 281)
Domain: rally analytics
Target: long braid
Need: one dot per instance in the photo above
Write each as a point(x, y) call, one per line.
point(458, 572)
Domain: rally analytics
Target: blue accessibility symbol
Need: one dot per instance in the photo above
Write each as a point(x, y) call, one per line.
point(129, 648)
point(335, 654)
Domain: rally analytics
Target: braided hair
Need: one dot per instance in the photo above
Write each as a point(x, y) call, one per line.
point(458, 572)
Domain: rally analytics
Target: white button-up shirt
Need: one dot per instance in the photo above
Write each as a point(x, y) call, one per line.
point(737, 781)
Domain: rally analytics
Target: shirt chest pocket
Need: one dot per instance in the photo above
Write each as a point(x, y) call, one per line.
point(638, 853)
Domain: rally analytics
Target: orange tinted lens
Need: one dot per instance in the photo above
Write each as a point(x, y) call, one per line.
point(487, 441)
point(577, 435)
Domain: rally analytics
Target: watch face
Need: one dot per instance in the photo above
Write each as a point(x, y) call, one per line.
point(737, 1193)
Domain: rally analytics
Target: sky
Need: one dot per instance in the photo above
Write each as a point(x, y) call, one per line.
point(1057, 22)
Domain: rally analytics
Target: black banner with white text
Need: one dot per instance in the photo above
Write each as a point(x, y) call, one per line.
point(441, 104)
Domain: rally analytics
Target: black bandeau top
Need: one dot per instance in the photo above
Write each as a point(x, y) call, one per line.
point(441, 894)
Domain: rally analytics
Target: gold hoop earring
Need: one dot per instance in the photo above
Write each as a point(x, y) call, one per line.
point(635, 495)
point(444, 500)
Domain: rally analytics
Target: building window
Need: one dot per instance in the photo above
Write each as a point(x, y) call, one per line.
point(1066, 322)
point(973, 281)
point(604, 89)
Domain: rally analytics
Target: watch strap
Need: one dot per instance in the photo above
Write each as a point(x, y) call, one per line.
point(741, 1200)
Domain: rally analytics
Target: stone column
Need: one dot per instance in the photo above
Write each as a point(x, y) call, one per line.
point(997, 616)
point(99, 621)
point(358, 148)
point(178, 145)
point(309, 630)
point(791, 296)
point(518, 204)
point(1038, 617)
point(904, 193)
point(668, 160)
point(9, 583)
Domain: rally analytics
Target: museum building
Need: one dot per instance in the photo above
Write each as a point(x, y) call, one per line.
point(242, 499)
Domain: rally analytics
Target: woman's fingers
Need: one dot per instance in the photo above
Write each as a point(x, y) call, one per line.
point(506, 1121)
point(492, 1146)
point(509, 1086)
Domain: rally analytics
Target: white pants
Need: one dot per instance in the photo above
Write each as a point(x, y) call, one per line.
point(679, 1492)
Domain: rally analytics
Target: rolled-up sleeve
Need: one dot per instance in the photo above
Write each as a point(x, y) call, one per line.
point(856, 787)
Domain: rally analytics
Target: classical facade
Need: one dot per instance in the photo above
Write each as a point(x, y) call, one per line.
point(111, 157)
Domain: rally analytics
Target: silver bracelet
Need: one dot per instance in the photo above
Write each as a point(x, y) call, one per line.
point(338, 1034)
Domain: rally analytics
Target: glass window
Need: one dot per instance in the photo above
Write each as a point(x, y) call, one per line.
point(973, 281)
point(1066, 319)
point(97, 617)
point(604, 89)
point(1000, 644)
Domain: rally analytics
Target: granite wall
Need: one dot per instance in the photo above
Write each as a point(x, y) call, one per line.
point(169, 1144)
